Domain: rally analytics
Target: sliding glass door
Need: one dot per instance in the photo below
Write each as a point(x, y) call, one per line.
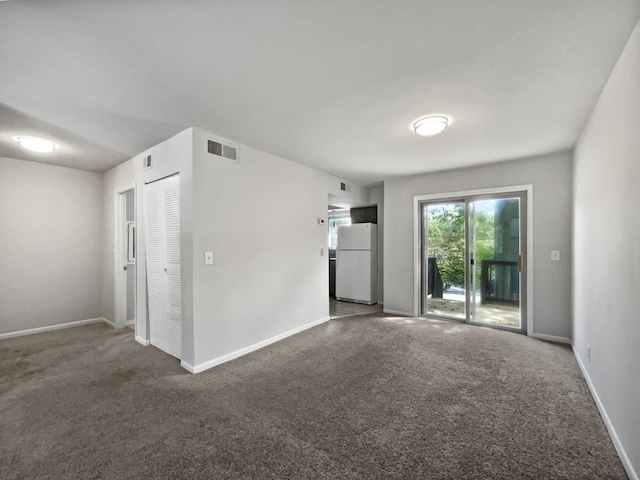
point(444, 260)
point(472, 251)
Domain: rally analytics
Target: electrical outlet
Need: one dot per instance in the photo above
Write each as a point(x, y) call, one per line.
point(588, 353)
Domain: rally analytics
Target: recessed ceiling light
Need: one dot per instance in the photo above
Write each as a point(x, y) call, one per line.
point(431, 125)
point(35, 144)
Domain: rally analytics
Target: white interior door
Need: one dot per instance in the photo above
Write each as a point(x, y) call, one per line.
point(130, 257)
point(162, 222)
point(124, 257)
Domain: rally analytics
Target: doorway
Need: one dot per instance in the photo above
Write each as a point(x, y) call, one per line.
point(125, 258)
point(345, 215)
point(472, 259)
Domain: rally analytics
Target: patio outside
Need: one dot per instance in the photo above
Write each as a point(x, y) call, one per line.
point(452, 305)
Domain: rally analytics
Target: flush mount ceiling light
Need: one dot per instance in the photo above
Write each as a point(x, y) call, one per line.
point(35, 144)
point(431, 125)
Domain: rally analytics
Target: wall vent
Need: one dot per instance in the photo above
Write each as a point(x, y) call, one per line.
point(343, 186)
point(146, 162)
point(222, 150)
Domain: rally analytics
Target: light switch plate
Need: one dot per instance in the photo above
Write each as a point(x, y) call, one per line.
point(208, 258)
point(555, 255)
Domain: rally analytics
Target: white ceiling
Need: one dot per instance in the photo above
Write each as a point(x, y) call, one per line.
point(333, 84)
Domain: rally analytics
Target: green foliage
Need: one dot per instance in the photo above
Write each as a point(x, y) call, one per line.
point(446, 241)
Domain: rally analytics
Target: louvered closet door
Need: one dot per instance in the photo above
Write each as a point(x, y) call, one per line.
point(162, 222)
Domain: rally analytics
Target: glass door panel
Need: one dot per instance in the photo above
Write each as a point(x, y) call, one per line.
point(444, 260)
point(495, 255)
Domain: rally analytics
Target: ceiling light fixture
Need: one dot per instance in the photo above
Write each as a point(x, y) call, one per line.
point(35, 144)
point(431, 125)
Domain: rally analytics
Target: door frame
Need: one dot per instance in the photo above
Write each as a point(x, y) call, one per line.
point(120, 256)
point(446, 196)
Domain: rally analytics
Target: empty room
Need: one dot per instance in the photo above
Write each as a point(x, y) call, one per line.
point(319, 240)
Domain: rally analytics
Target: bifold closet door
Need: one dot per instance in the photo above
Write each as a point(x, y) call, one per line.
point(162, 225)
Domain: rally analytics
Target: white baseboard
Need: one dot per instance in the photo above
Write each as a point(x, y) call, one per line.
point(626, 462)
point(397, 312)
point(50, 328)
point(188, 367)
point(109, 322)
point(251, 348)
point(551, 338)
point(142, 341)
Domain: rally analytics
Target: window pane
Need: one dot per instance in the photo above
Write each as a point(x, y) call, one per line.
point(333, 228)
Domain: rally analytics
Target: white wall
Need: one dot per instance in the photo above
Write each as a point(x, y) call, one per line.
point(550, 176)
point(607, 252)
point(169, 157)
point(259, 217)
point(50, 245)
point(268, 275)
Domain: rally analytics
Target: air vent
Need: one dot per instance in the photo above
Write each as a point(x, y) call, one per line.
point(214, 148)
point(222, 150)
point(343, 186)
point(146, 162)
point(230, 152)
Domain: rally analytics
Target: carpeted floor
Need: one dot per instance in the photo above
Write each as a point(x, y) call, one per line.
point(364, 397)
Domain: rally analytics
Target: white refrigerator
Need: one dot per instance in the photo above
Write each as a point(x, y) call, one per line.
point(357, 263)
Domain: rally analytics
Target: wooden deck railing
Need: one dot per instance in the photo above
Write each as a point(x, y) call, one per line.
point(499, 282)
point(433, 279)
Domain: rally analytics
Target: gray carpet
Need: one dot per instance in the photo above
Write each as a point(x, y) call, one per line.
point(364, 397)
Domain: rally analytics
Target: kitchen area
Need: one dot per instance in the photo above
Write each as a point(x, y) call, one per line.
point(353, 261)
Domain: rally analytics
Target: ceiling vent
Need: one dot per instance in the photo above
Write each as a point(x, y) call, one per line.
point(222, 150)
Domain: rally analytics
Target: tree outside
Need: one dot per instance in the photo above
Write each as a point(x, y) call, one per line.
point(446, 240)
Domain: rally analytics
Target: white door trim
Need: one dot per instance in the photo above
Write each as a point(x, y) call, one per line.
point(120, 255)
point(528, 188)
